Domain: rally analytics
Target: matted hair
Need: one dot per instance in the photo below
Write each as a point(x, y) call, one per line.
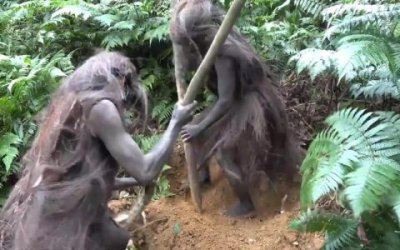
point(67, 174)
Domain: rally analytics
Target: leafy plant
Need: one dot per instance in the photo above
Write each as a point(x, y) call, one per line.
point(361, 47)
point(42, 41)
point(163, 187)
point(357, 159)
point(354, 164)
point(22, 78)
point(146, 143)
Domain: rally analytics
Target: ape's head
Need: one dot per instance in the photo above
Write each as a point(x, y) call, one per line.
point(112, 72)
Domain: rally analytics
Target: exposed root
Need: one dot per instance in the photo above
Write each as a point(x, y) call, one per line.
point(136, 213)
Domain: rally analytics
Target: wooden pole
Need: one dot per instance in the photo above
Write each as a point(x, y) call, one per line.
point(195, 87)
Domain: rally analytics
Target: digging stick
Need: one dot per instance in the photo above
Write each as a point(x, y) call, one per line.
point(195, 86)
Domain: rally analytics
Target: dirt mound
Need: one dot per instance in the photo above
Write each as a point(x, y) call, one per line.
point(173, 223)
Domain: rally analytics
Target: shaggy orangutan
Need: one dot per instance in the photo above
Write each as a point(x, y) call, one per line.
point(60, 201)
point(247, 128)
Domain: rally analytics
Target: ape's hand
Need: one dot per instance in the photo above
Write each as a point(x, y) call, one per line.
point(182, 114)
point(190, 131)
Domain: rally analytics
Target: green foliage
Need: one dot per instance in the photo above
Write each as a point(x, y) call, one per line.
point(360, 46)
point(25, 86)
point(313, 7)
point(340, 232)
point(357, 158)
point(163, 187)
point(146, 143)
point(358, 152)
point(177, 228)
point(277, 30)
point(44, 40)
point(8, 151)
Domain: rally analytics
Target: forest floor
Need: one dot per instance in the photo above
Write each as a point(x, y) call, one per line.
point(174, 223)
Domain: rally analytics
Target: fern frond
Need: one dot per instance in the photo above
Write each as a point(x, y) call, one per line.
point(393, 119)
point(323, 168)
point(381, 72)
point(372, 179)
point(358, 51)
point(357, 9)
point(106, 20)
point(378, 19)
point(395, 203)
point(116, 39)
point(376, 89)
point(8, 150)
point(162, 111)
point(364, 132)
point(146, 143)
point(395, 47)
point(73, 10)
point(123, 25)
point(313, 7)
point(159, 33)
point(316, 61)
point(341, 232)
point(358, 148)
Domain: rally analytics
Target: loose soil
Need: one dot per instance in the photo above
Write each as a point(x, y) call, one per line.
point(174, 223)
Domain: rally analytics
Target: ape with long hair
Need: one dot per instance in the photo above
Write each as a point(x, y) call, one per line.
point(60, 200)
point(247, 128)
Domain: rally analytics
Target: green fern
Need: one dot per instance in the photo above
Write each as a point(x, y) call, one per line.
point(313, 7)
point(8, 149)
point(324, 167)
point(106, 20)
point(162, 111)
point(160, 33)
point(146, 143)
point(356, 151)
point(362, 48)
point(371, 180)
point(377, 89)
point(353, 54)
point(116, 39)
point(163, 186)
point(341, 232)
point(357, 9)
point(379, 15)
point(357, 157)
point(395, 202)
point(74, 10)
point(393, 120)
point(316, 61)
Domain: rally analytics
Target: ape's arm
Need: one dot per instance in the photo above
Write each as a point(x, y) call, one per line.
point(125, 182)
point(105, 123)
point(226, 91)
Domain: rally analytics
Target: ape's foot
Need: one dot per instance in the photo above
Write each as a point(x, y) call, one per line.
point(205, 179)
point(241, 210)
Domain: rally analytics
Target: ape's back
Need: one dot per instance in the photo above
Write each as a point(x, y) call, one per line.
point(67, 179)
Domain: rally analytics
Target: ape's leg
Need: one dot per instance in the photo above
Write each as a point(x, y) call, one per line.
point(204, 174)
point(113, 236)
point(245, 206)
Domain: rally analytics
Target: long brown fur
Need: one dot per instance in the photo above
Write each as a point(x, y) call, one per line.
point(67, 173)
point(256, 125)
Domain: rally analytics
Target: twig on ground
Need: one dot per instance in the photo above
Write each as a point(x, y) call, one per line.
point(149, 224)
point(283, 201)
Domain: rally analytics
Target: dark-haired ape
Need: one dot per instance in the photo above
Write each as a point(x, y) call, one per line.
point(60, 201)
point(247, 128)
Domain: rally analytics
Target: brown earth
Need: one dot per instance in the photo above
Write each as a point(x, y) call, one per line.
point(174, 223)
